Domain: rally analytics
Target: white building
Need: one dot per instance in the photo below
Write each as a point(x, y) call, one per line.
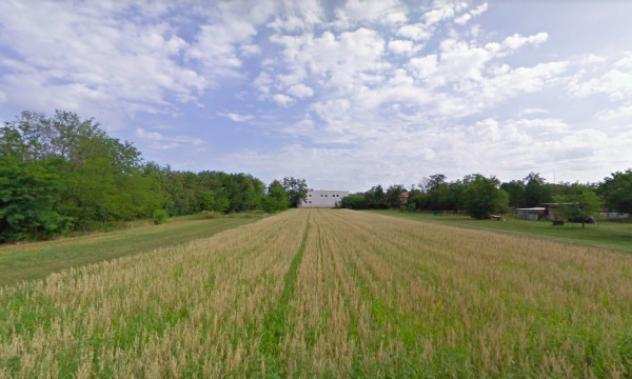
point(322, 199)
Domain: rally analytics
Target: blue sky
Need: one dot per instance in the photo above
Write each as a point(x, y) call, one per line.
point(345, 94)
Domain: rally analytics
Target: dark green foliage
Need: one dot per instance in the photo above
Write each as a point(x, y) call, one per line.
point(376, 198)
point(617, 191)
point(480, 196)
point(296, 190)
point(276, 199)
point(100, 178)
point(536, 191)
point(355, 201)
point(393, 194)
point(515, 190)
point(579, 205)
point(484, 197)
point(58, 169)
point(29, 194)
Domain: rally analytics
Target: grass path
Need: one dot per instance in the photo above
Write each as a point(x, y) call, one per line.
point(38, 259)
point(612, 235)
point(275, 322)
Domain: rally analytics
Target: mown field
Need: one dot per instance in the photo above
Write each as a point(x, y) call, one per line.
point(607, 234)
point(330, 293)
point(36, 260)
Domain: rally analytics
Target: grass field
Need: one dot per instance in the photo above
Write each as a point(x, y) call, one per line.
point(330, 293)
point(36, 260)
point(613, 235)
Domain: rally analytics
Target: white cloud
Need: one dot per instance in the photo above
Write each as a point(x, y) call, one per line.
point(303, 128)
point(283, 100)
point(622, 112)
point(443, 11)
point(533, 111)
point(263, 82)
point(516, 41)
point(356, 11)
point(522, 80)
point(215, 46)
point(236, 117)
point(615, 82)
point(416, 32)
point(402, 47)
point(301, 91)
point(250, 49)
point(464, 18)
point(372, 85)
point(297, 16)
point(395, 18)
point(158, 141)
point(479, 10)
point(87, 58)
point(340, 62)
point(424, 66)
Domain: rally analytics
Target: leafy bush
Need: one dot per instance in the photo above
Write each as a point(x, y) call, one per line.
point(355, 201)
point(160, 216)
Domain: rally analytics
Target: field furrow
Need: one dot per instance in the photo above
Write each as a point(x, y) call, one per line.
point(330, 293)
point(195, 310)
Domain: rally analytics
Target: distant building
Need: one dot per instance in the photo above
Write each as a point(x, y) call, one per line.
point(612, 215)
point(322, 199)
point(533, 213)
point(403, 198)
point(554, 211)
point(546, 211)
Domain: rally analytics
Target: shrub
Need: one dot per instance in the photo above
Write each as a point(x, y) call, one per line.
point(160, 216)
point(354, 201)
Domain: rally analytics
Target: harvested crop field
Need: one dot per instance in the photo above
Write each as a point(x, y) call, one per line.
point(330, 293)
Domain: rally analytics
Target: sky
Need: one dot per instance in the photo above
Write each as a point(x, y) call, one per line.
point(345, 94)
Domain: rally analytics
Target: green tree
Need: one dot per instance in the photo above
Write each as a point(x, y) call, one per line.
point(296, 190)
point(276, 198)
point(393, 194)
point(617, 191)
point(438, 193)
point(376, 198)
point(483, 196)
point(581, 205)
point(516, 192)
point(29, 194)
point(536, 191)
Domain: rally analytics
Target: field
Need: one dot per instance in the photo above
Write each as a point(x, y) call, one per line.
point(330, 293)
point(36, 260)
point(608, 234)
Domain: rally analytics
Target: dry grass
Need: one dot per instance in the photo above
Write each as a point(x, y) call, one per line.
point(330, 293)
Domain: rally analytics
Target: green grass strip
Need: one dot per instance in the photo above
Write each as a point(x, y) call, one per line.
point(275, 322)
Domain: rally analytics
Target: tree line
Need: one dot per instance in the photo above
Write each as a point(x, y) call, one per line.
point(481, 196)
point(63, 173)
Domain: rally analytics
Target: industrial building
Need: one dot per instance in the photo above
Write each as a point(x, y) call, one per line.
point(322, 199)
